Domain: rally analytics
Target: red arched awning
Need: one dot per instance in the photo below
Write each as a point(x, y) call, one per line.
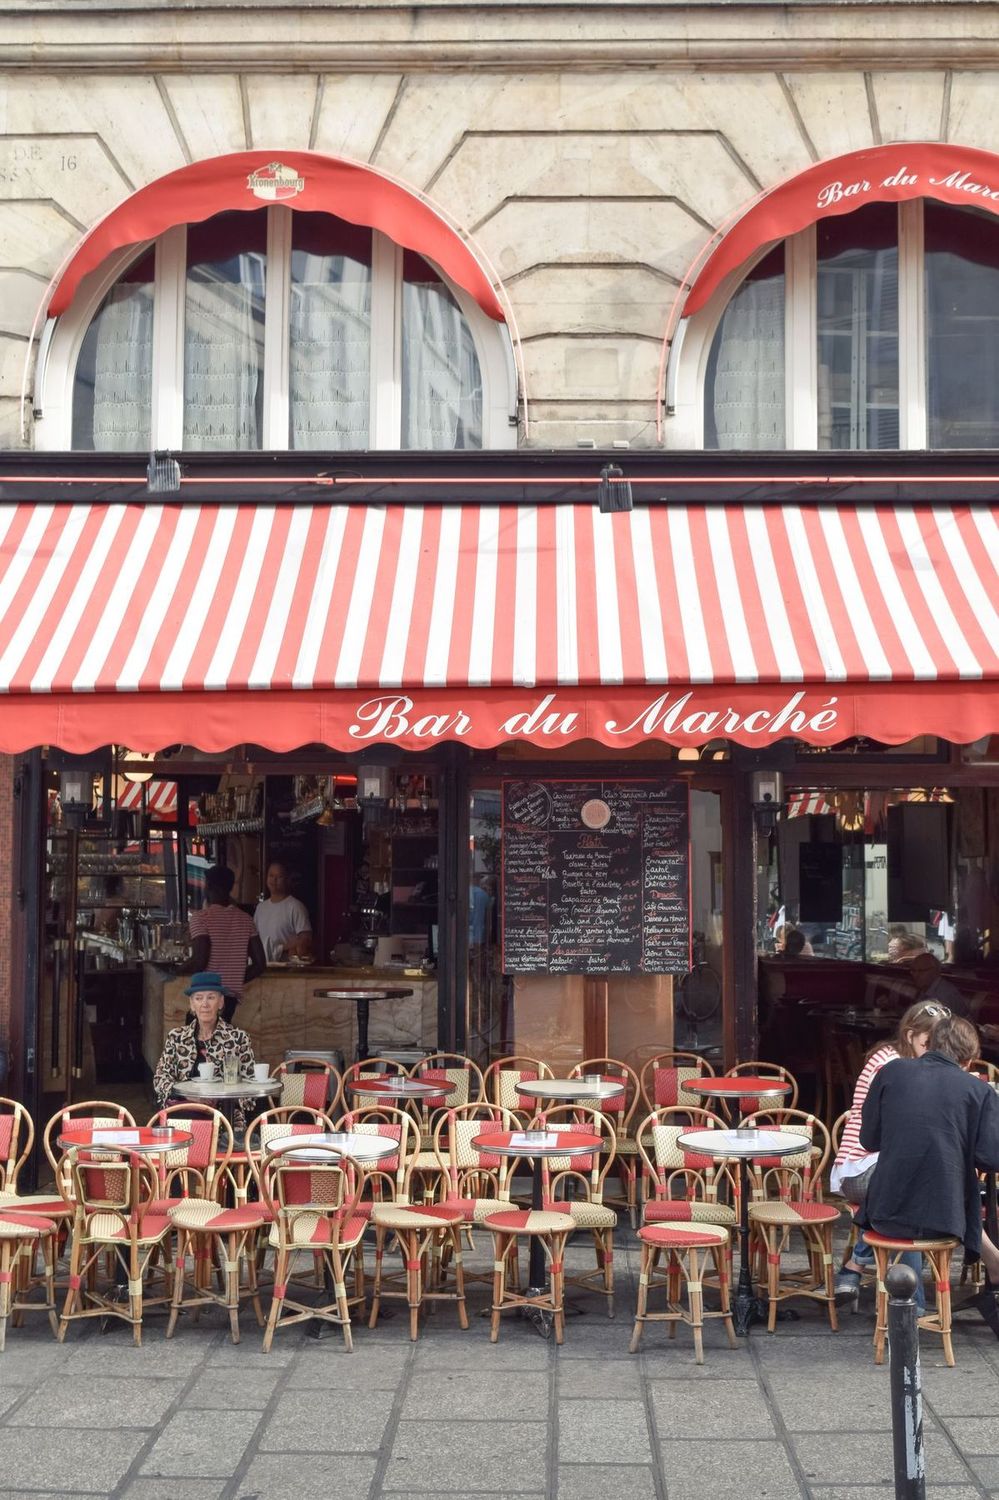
point(301, 180)
point(884, 174)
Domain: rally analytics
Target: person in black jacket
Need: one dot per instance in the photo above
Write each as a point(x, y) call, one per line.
point(934, 1126)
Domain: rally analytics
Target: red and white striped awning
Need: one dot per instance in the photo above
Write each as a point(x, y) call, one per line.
point(219, 624)
point(160, 798)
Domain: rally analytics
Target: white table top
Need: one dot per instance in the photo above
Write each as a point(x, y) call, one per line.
point(570, 1089)
point(215, 1088)
point(354, 1143)
point(749, 1142)
point(549, 1143)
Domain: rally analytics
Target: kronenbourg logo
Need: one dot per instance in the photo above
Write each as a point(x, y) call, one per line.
point(274, 182)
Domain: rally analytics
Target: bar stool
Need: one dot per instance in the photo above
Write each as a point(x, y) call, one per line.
point(420, 1233)
point(682, 1247)
point(553, 1229)
point(887, 1249)
point(235, 1230)
point(20, 1236)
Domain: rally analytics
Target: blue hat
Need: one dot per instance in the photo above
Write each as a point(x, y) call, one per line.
point(206, 981)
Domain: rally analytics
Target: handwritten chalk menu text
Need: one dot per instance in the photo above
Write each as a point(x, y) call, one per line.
point(596, 877)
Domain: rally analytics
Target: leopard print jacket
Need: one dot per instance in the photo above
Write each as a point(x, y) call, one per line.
point(180, 1056)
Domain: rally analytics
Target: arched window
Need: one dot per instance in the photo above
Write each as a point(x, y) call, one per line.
point(273, 329)
point(874, 329)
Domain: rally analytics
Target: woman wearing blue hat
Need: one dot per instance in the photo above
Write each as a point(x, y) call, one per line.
point(206, 1039)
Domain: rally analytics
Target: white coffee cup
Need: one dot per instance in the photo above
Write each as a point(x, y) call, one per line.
point(261, 1072)
point(206, 1070)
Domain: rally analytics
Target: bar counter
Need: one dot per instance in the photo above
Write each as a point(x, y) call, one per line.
point(279, 1010)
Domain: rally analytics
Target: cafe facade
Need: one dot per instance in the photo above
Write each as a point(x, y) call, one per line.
point(551, 511)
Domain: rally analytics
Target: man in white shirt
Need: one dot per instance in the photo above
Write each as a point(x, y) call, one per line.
point(282, 920)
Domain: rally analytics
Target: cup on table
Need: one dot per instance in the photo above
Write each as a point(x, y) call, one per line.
point(230, 1068)
point(206, 1070)
point(261, 1072)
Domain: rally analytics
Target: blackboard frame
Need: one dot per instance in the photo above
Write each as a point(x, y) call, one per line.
point(671, 790)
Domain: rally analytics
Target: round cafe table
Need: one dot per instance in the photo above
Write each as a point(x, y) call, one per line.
point(401, 1086)
point(748, 1086)
point(362, 998)
point(145, 1140)
point(572, 1090)
point(316, 1146)
point(537, 1145)
point(742, 1145)
point(224, 1095)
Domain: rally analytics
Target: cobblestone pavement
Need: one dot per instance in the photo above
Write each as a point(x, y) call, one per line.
point(803, 1413)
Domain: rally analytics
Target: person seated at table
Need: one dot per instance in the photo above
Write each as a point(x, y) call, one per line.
point(935, 1127)
point(794, 943)
point(206, 1039)
point(926, 973)
point(282, 921)
point(903, 946)
point(853, 1166)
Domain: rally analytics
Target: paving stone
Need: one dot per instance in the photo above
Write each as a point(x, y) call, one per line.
point(609, 1377)
point(116, 1355)
point(860, 1458)
point(174, 1489)
point(811, 1402)
point(201, 1444)
point(608, 1482)
point(369, 1367)
point(975, 1435)
point(732, 1407)
point(603, 1432)
point(287, 1476)
point(467, 1457)
point(70, 1402)
point(489, 1396)
point(520, 1347)
point(327, 1421)
point(986, 1470)
point(75, 1463)
point(860, 1491)
point(704, 1471)
point(223, 1389)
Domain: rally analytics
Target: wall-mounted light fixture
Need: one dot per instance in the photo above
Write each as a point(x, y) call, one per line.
point(613, 491)
point(768, 797)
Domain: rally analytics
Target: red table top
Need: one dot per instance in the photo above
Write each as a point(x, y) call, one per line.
point(396, 1087)
point(748, 1084)
point(125, 1138)
point(508, 1143)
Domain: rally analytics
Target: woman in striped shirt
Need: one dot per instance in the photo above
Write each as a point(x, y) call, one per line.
point(853, 1166)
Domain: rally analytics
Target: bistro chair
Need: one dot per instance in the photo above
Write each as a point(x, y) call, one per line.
point(552, 1228)
point(887, 1250)
point(771, 1103)
point(197, 1170)
point(447, 1067)
point(687, 1248)
point(476, 1182)
point(101, 1114)
point(663, 1078)
point(312, 1207)
point(980, 1066)
point(500, 1082)
point(113, 1198)
point(312, 1081)
point(621, 1109)
point(17, 1136)
point(21, 1237)
point(574, 1185)
point(683, 1187)
point(273, 1125)
point(795, 1180)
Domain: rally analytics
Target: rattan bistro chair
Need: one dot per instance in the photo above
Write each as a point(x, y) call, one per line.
point(664, 1076)
point(684, 1187)
point(574, 1185)
point(687, 1248)
point(622, 1110)
point(21, 1236)
point(312, 1081)
point(502, 1077)
point(938, 1251)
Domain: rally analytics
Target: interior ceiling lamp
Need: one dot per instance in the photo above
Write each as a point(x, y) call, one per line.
point(135, 765)
point(162, 474)
point(613, 491)
point(767, 796)
point(688, 752)
point(851, 811)
point(76, 796)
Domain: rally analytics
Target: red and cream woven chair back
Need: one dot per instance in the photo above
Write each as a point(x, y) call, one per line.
point(389, 1178)
point(621, 1108)
point(776, 1104)
point(113, 1195)
point(369, 1067)
point(453, 1068)
point(501, 1079)
point(194, 1171)
point(589, 1171)
point(274, 1125)
point(983, 1069)
point(310, 1201)
point(663, 1078)
point(797, 1177)
point(102, 1114)
point(312, 1081)
point(673, 1174)
point(469, 1173)
point(17, 1136)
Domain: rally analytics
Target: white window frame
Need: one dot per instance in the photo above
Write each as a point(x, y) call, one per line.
point(689, 356)
point(62, 339)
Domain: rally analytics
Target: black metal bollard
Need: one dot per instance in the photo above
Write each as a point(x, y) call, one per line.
point(906, 1385)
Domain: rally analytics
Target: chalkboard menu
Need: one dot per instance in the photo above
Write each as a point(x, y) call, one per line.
point(596, 877)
